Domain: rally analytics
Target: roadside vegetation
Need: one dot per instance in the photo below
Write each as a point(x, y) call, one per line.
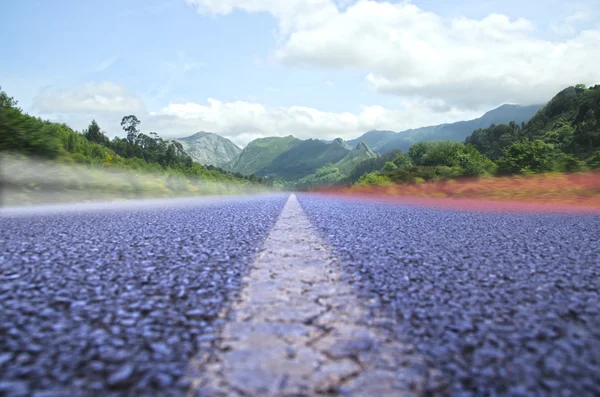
point(563, 137)
point(161, 166)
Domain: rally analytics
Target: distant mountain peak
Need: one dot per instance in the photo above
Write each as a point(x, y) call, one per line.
point(196, 135)
point(361, 150)
point(361, 146)
point(208, 148)
point(342, 143)
point(261, 152)
point(386, 141)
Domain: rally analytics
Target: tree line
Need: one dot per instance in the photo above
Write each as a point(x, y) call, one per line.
point(564, 136)
point(27, 135)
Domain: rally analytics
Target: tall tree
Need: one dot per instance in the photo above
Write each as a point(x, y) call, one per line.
point(94, 134)
point(129, 124)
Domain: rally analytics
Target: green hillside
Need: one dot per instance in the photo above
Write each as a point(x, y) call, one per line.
point(260, 153)
point(370, 165)
point(165, 165)
point(336, 172)
point(570, 122)
point(386, 141)
point(304, 159)
point(360, 153)
point(563, 136)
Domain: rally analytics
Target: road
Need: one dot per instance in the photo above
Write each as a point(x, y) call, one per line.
point(124, 299)
point(100, 301)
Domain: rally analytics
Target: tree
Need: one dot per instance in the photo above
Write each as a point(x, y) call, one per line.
point(492, 141)
point(129, 124)
point(569, 163)
point(402, 161)
point(7, 101)
point(93, 134)
point(527, 157)
point(473, 163)
point(418, 151)
point(390, 167)
point(442, 153)
point(372, 164)
point(71, 143)
point(594, 161)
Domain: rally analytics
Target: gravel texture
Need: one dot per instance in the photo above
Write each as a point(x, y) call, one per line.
point(115, 301)
point(501, 304)
point(297, 330)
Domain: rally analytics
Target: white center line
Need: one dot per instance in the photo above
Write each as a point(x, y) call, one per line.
point(297, 330)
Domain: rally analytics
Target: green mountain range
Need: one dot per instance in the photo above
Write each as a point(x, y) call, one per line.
point(360, 153)
point(563, 136)
point(291, 160)
point(386, 141)
point(260, 153)
point(570, 122)
point(335, 172)
point(304, 159)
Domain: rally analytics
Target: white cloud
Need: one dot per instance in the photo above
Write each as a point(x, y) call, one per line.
point(330, 83)
point(409, 52)
point(243, 121)
point(291, 14)
point(103, 97)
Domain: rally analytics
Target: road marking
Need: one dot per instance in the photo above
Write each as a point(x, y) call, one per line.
point(297, 329)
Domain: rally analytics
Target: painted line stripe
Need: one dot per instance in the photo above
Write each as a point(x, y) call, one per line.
point(297, 330)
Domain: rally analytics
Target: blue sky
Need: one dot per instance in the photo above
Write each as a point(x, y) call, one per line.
point(276, 68)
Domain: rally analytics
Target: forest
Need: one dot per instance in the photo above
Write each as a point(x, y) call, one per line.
point(161, 166)
point(564, 136)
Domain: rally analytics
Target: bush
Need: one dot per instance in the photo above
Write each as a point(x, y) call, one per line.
point(569, 163)
point(390, 166)
point(403, 161)
point(593, 162)
point(374, 178)
point(526, 158)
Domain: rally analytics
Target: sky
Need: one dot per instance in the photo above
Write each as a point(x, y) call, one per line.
point(322, 69)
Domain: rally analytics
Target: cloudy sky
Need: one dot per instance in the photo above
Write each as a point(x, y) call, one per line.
point(311, 68)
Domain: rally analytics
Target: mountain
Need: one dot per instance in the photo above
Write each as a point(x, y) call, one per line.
point(335, 172)
point(260, 153)
point(563, 136)
point(360, 153)
point(374, 139)
point(210, 149)
point(291, 159)
point(346, 144)
point(304, 159)
point(386, 141)
point(570, 122)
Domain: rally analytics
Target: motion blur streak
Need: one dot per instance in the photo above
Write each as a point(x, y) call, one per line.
point(27, 181)
point(579, 192)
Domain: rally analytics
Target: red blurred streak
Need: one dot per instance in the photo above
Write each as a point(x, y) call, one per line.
point(563, 193)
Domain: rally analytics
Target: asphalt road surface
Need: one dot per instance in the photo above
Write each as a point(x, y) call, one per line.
point(502, 304)
point(118, 300)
